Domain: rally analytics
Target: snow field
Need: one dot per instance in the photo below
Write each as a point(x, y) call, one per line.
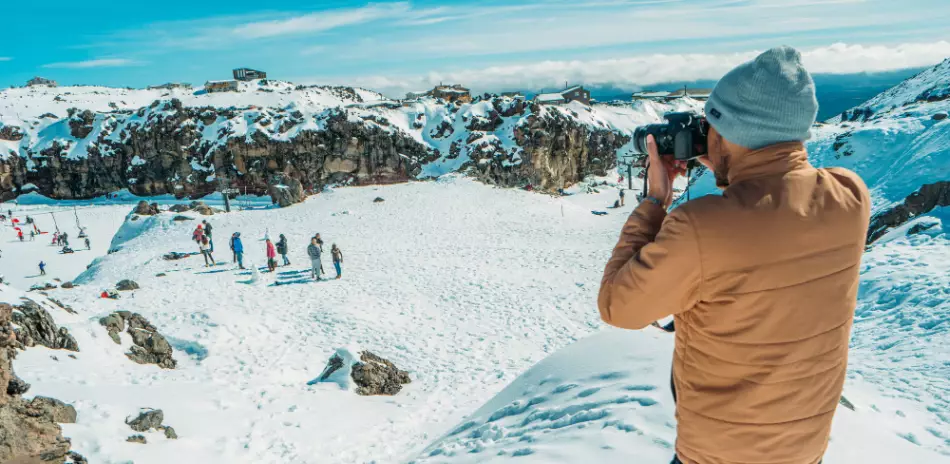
point(463, 285)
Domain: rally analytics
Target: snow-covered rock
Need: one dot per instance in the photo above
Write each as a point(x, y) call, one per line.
point(191, 143)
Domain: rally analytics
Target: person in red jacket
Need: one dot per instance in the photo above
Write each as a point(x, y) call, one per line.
point(271, 256)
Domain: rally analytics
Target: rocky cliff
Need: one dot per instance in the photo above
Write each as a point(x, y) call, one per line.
point(83, 142)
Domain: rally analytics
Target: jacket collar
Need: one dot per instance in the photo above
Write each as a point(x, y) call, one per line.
point(774, 159)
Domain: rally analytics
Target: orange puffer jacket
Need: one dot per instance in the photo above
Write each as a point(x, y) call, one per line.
point(763, 284)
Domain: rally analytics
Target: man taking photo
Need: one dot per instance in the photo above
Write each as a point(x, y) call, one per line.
point(762, 281)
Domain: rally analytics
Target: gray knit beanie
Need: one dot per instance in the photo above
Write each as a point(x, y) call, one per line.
point(768, 100)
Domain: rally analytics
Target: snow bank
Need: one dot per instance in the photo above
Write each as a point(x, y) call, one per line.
point(607, 399)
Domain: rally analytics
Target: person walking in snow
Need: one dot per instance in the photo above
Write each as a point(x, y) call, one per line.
point(314, 252)
point(622, 195)
point(64, 239)
point(42, 268)
point(238, 248)
point(271, 256)
point(198, 234)
point(761, 281)
point(205, 249)
point(32, 235)
point(320, 244)
point(19, 234)
point(231, 245)
point(207, 230)
point(88, 244)
point(337, 260)
point(282, 249)
point(55, 238)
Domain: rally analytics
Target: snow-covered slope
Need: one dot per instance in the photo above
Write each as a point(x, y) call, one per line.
point(606, 399)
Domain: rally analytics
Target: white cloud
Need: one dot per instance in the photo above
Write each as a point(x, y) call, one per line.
point(635, 72)
point(97, 63)
point(321, 21)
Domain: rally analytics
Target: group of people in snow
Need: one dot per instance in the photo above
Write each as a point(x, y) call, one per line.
point(202, 235)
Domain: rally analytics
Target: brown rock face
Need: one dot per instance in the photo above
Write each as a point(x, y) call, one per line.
point(920, 202)
point(28, 431)
point(167, 148)
point(558, 152)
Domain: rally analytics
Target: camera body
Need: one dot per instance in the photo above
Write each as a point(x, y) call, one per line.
point(683, 135)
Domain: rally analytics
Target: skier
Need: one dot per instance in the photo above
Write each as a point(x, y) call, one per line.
point(32, 235)
point(19, 234)
point(282, 249)
point(271, 256)
point(88, 245)
point(208, 234)
point(337, 260)
point(206, 252)
point(761, 281)
point(238, 248)
point(42, 268)
point(55, 238)
point(316, 267)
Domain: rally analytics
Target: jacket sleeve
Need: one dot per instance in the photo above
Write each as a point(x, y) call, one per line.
point(654, 271)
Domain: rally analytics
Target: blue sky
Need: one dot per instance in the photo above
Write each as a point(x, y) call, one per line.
point(489, 45)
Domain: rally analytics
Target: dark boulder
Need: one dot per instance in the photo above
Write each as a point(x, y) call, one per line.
point(54, 409)
point(137, 439)
point(147, 419)
point(143, 208)
point(379, 200)
point(285, 191)
point(67, 285)
point(372, 374)
point(126, 285)
point(150, 347)
point(377, 376)
point(36, 327)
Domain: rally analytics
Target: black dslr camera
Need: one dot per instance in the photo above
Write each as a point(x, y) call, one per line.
point(683, 136)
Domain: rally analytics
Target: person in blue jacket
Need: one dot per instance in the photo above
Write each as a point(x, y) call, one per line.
point(238, 249)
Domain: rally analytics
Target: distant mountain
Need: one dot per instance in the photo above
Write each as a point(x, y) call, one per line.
point(836, 92)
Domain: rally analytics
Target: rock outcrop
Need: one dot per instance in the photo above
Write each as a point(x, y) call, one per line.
point(285, 191)
point(169, 147)
point(150, 347)
point(28, 429)
point(922, 201)
point(127, 285)
point(151, 419)
point(37, 327)
point(147, 419)
point(143, 208)
point(372, 374)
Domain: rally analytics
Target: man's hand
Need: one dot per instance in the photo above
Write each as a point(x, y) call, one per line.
point(662, 172)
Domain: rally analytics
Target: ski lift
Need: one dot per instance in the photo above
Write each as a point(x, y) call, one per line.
point(82, 230)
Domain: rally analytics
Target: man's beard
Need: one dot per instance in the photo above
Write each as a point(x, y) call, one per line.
point(722, 172)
